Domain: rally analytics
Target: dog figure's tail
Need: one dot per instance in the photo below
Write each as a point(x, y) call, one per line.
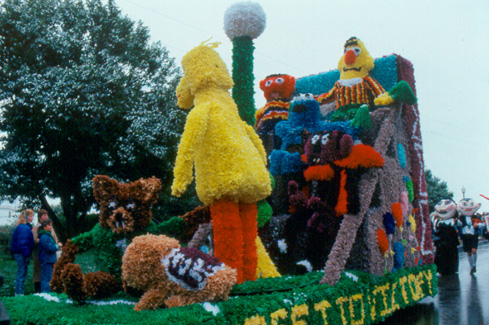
point(68, 256)
point(69, 278)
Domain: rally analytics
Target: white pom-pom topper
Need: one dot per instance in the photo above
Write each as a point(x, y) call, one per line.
point(244, 19)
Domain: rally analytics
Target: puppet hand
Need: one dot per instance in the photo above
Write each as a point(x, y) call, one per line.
point(383, 100)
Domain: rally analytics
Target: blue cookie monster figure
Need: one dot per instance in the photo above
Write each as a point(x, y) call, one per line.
point(304, 119)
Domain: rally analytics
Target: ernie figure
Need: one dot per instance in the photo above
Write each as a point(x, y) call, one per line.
point(278, 90)
point(228, 157)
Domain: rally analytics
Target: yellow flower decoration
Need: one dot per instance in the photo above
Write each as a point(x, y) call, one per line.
point(413, 223)
point(298, 311)
point(279, 314)
point(256, 320)
point(265, 267)
point(227, 154)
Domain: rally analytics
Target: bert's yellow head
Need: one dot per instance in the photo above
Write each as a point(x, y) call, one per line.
point(356, 62)
point(203, 69)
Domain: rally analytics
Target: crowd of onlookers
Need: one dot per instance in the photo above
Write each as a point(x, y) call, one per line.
point(38, 242)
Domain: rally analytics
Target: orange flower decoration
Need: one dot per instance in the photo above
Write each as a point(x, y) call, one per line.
point(397, 213)
point(382, 241)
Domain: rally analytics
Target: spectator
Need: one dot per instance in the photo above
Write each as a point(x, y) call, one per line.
point(21, 247)
point(47, 248)
point(42, 215)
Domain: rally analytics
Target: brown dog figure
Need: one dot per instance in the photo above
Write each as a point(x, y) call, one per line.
point(125, 212)
point(173, 276)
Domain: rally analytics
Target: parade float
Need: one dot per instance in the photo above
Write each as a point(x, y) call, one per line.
point(327, 224)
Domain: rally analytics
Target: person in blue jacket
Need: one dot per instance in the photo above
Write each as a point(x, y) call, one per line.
point(47, 248)
point(21, 247)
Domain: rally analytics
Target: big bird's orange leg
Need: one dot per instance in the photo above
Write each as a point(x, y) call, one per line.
point(248, 214)
point(228, 235)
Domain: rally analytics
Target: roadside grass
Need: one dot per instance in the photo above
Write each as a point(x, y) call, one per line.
point(8, 268)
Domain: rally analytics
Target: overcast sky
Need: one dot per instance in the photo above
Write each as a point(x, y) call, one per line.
point(446, 40)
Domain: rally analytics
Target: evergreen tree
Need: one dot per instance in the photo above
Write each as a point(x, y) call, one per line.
point(83, 92)
point(437, 189)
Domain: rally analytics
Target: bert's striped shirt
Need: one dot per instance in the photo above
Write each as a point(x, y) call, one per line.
point(352, 91)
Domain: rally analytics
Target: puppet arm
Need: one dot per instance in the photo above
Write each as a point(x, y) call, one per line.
point(401, 92)
point(328, 97)
point(192, 137)
point(256, 141)
point(258, 115)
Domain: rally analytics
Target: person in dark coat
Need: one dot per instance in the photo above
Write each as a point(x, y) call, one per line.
point(21, 247)
point(47, 248)
point(445, 231)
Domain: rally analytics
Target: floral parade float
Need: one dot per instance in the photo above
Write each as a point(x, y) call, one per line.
point(350, 231)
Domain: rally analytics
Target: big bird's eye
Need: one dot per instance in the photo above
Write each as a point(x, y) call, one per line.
point(357, 50)
point(279, 81)
point(268, 83)
point(324, 139)
point(315, 139)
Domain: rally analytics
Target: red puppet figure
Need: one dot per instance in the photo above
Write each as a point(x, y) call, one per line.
point(333, 157)
point(278, 90)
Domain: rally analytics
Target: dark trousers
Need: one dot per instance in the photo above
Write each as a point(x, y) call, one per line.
point(22, 264)
point(46, 276)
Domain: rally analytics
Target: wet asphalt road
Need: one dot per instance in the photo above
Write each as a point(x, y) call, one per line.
point(462, 299)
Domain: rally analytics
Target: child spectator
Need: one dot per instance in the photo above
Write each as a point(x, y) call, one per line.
point(47, 248)
point(36, 274)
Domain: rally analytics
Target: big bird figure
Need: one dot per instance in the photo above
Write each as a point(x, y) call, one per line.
point(356, 87)
point(228, 157)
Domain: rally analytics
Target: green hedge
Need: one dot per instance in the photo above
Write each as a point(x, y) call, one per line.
point(357, 298)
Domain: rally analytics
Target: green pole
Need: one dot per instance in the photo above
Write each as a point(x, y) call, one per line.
point(243, 93)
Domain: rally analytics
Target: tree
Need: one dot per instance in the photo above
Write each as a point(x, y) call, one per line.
point(83, 92)
point(437, 190)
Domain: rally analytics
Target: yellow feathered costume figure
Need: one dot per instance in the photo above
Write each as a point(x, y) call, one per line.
point(228, 156)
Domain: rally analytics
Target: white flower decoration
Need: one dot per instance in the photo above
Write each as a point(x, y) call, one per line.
point(282, 246)
point(244, 19)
